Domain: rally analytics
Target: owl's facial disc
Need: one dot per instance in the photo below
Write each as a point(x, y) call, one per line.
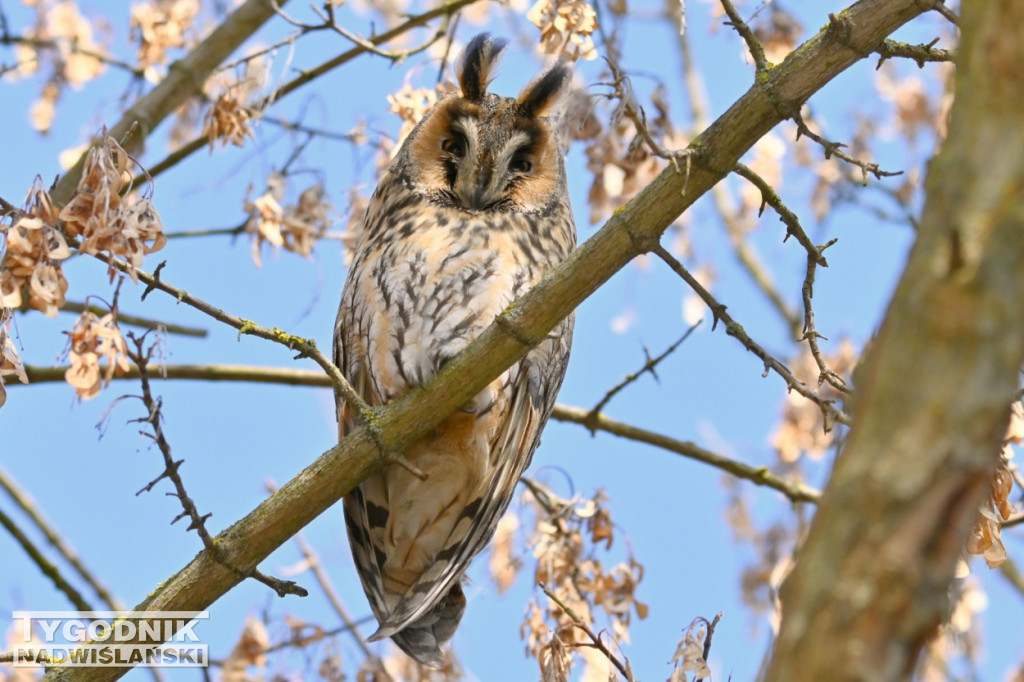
point(482, 177)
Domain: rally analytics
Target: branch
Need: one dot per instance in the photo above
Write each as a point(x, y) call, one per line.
point(922, 54)
point(136, 321)
point(794, 490)
point(649, 366)
point(28, 507)
point(445, 10)
point(835, 149)
point(828, 407)
point(753, 44)
point(307, 347)
point(46, 567)
point(141, 358)
point(634, 229)
point(721, 196)
point(185, 78)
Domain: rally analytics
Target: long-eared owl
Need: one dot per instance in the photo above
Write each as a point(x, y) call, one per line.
point(471, 213)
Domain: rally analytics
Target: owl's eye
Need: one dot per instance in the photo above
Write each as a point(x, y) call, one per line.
point(454, 145)
point(520, 163)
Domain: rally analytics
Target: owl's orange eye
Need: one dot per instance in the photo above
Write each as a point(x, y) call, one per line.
point(455, 145)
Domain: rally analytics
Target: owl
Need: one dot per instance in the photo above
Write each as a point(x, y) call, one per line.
point(468, 216)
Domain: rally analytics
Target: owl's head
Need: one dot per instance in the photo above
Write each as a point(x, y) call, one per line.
point(479, 152)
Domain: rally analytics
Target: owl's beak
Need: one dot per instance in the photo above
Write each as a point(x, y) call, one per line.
point(476, 192)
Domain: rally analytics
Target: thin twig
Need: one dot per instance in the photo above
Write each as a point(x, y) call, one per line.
point(771, 198)
point(835, 149)
point(35, 515)
point(722, 199)
point(940, 7)
point(828, 407)
point(922, 54)
point(753, 44)
point(650, 365)
point(351, 626)
point(306, 76)
point(74, 48)
point(594, 637)
point(307, 348)
point(811, 335)
point(197, 522)
point(136, 321)
point(794, 490)
point(45, 566)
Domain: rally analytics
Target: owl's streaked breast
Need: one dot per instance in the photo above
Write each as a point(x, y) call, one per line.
point(425, 294)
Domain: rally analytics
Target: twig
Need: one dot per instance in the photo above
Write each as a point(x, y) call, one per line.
point(922, 54)
point(74, 48)
point(307, 347)
point(794, 490)
point(197, 522)
point(34, 514)
point(828, 408)
point(815, 257)
point(771, 198)
point(265, 375)
point(136, 321)
point(649, 366)
point(333, 599)
point(753, 44)
point(721, 197)
point(598, 643)
point(299, 642)
point(940, 7)
point(811, 335)
point(835, 149)
point(395, 56)
point(45, 566)
point(445, 10)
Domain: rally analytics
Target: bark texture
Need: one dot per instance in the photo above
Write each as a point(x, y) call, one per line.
point(932, 402)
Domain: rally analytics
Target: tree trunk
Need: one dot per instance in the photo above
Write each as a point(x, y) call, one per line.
point(933, 396)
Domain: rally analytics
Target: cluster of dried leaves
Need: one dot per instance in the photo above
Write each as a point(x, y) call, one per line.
point(293, 227)
point(106, 223)
point(10, 361)
point(568, 539)
point(566, 27)
point(31, 271)
point(159, 27)
point(63, 42)
point(91, 341)
point(228, 121)
point(35, 244)
point(986, 535)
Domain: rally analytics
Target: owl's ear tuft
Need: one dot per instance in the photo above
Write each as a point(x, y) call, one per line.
point(475, 67)
point(544, 91)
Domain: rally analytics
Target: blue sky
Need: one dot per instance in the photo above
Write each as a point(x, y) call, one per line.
point(235, 437)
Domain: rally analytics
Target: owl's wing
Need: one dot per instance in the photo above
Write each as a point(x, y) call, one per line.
point(532, 397)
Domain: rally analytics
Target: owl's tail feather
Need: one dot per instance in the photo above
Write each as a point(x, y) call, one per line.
point(423, 637)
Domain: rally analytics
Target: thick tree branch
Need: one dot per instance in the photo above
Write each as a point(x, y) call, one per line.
point(635, 229)
point(933, 397)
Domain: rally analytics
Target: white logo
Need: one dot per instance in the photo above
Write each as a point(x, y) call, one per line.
point(106, 639)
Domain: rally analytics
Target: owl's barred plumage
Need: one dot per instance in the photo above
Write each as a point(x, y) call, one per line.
point(470, 214)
